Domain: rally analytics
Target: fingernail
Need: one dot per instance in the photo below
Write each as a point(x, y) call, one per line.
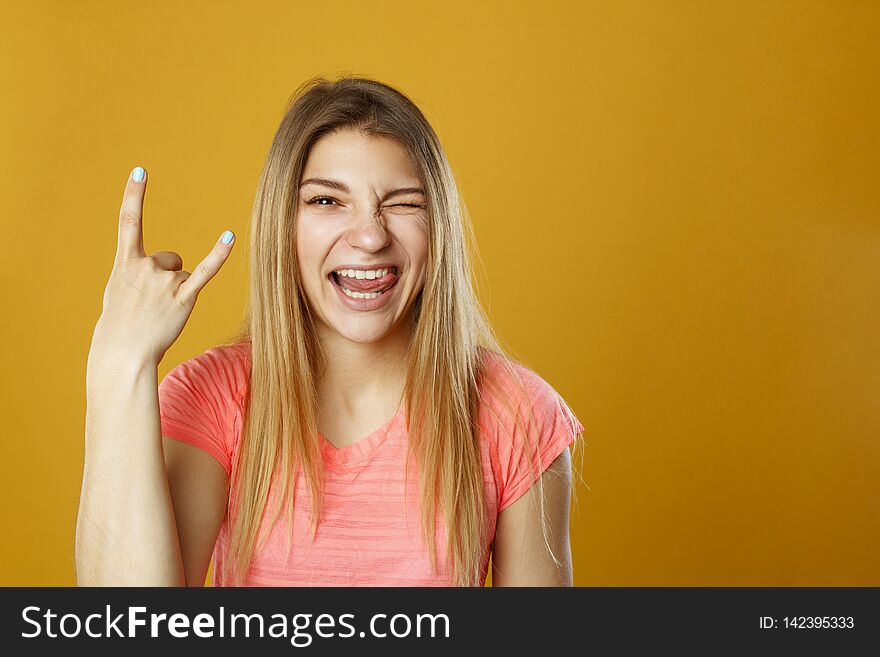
point(137, 174)
point(227, 237)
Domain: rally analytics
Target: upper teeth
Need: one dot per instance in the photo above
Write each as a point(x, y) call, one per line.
point(363, 273)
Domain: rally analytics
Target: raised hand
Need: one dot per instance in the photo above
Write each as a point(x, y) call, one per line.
point(148, 299)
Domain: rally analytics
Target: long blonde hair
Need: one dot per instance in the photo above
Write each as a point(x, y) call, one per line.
point(444, 368)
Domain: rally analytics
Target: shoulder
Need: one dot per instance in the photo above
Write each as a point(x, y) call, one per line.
point(512, 389)
point(199, 400)
point(524, 422)
point(222, 371)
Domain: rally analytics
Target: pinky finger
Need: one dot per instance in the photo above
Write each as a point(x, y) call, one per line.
point(205, 270)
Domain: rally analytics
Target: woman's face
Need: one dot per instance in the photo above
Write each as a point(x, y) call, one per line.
point(362, 234)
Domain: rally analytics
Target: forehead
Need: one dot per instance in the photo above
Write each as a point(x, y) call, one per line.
point(358, 157)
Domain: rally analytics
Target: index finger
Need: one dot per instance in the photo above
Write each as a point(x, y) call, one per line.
point(130, 242)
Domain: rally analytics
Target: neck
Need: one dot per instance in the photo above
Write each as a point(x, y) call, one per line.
point(359, 376)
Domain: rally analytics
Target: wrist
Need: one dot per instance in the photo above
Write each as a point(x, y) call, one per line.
point(106, 364)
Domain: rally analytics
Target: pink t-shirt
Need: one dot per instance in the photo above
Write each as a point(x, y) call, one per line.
point(368, 536)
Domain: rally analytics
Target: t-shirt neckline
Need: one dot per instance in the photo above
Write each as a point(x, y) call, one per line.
point(351, 454)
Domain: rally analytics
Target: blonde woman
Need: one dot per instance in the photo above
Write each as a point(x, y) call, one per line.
point(365, 394)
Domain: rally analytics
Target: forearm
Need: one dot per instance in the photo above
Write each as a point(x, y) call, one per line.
point(126, 533)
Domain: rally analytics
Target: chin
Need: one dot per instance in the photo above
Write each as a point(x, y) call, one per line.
point(365, 336)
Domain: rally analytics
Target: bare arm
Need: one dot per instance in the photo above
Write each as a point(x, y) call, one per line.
point(520, 556)
point(199, 490)
point(126, 533)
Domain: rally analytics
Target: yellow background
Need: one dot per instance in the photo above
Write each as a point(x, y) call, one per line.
point(676, 205)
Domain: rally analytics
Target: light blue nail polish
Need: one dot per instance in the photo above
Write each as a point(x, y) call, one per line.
point(227, 237)
point(138, 174)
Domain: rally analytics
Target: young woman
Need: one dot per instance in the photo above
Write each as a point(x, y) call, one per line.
point(365, 392)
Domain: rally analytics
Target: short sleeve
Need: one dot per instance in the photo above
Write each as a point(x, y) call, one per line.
point(553, 429)
point(197, 401)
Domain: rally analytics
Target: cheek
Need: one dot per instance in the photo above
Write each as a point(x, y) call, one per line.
point(414, 237)
point(313, 240)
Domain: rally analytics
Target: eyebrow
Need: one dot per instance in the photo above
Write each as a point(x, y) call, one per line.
point(335, 184)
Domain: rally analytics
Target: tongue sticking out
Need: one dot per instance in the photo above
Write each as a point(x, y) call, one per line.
point(367, 284)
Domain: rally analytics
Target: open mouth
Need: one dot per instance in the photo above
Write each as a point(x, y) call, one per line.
point(365, 284)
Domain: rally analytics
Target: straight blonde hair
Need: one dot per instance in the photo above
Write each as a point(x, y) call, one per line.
point(445, 363)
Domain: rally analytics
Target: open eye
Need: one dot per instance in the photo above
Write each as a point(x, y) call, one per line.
point(315, 200)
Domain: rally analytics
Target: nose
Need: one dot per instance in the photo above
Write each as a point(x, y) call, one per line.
point(369, 231)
